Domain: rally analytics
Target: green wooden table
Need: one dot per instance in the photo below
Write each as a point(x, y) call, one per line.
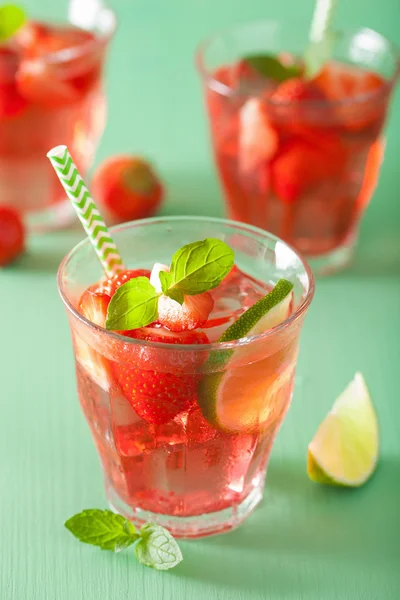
point(305, 541)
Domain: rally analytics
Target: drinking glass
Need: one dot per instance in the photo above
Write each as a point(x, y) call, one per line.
point(202, 472)
point(303, 168)
point(51, 92)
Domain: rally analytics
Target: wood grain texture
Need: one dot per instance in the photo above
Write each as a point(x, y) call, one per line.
point(305, 542)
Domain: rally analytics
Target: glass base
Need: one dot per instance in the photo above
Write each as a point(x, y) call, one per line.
point(56, 216)
point(190, 527)
point(336, 260)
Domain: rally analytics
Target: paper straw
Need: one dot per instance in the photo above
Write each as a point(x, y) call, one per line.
point(322, 20)
point(86, 210)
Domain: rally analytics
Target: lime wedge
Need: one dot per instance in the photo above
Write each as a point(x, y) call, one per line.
point(345, 448)
point(242, 398)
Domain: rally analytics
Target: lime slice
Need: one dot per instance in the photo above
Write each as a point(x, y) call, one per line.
point(345, 448)
point(242, 398)
point(263, 315)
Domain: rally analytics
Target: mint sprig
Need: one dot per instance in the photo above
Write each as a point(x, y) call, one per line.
point(11, 19)
point(198, 267)
point(269, 66)
point(102, 528)
point(195, 268)
point(155, 546)
point(133, 305)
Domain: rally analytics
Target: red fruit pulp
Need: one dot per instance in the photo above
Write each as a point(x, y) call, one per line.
point(12, 235)
point(49, 92)
point(159, 453)
point(304, 185)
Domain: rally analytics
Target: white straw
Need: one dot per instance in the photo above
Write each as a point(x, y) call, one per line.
point(322, 19)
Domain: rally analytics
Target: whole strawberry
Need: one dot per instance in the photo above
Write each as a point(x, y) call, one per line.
point(12, 235)
point(127, 188)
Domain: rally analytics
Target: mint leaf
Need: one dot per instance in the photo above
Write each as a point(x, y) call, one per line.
point(134, 305)
point(176, 295)
point(157, 548)
point(199, 267)
point(11, 19)
point(165, 280)
point(102, 528)
point(270, 67)
point(166, 283)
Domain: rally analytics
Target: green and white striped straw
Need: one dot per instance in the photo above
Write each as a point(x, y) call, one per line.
point(322, 20)
point(320, 37)
point(86, 210)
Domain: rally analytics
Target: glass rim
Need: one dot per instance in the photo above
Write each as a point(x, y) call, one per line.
point(66, 55)
point(246, 341)
point(226, 90)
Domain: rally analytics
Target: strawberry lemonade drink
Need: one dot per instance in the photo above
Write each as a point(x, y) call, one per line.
point(50, 89)
point(185, 364)
point(298, 154)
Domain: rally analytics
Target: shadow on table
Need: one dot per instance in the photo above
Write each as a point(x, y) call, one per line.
point(195, 191)
point(45, 252)
point(303, 521)
point(378, 254)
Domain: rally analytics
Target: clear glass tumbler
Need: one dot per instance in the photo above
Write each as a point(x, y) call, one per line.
point(301, 165)
point(51, 92)
point(202, 472)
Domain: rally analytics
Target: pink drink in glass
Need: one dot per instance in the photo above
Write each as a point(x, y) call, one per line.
point(202, 469)
point(50, 90)
point(299, 158)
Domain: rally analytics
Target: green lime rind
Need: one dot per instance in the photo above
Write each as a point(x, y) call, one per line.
point(247, 321)
point(11, 19)
point(209, 383)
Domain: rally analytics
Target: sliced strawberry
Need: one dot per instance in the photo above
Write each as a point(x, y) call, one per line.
point(371, 173)
point(191, 314)
point(300, 165)
point(156, 396)
point(50, 73)
point(296, 90)
point(12, 235)
point(111, 286)
point(30, 35)
point(93, 306)
point(38, 81)
point(341, 82)
point(258, 140)
point(38, 40)
point(162, 335)
point(217, 322)
point(296, 106)
point(8, 64)
point(11, 102)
